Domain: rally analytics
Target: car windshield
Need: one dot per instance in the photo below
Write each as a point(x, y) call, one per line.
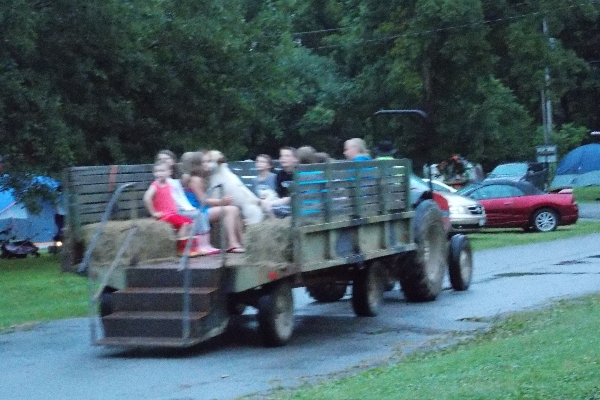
point(510, 169)
point(416, 183)
point(440, 186)
point(467, 188)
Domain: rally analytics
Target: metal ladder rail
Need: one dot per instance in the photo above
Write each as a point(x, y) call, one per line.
point(84, 266)
point(94, 299)
point(184, 267)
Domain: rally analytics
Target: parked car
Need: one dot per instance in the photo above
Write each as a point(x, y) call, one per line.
point(440, 186)
point(533, 172)
point(512, 204)
point(466, 214)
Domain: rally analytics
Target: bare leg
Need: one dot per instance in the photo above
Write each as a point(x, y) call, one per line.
point(184, 231)
point(233, 225)
point(204, 243)
point(239, 226)
point(231, 216)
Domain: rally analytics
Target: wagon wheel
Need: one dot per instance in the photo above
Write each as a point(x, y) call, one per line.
point(276, 315)
point(367, 289)
point(460, 262)
point(234, 307)
point(327, 292)
point(422, 273)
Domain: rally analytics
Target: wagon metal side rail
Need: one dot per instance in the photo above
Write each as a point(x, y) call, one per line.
point(84, 266)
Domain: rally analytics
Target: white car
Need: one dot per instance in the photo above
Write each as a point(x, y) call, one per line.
point(466, 214)
point(440, 186)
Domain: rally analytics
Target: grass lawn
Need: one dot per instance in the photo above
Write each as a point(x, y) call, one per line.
point(588, 194)
point(549, 354)
point(34, 289)
point(494, 238)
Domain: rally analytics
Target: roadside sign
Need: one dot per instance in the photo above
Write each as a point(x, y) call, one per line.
point(546, 159)
point(546, 153)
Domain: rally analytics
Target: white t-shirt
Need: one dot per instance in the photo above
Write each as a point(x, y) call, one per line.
point(183, 204)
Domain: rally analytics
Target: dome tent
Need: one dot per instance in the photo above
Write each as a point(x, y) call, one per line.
point(23, 224)
point(580, 167)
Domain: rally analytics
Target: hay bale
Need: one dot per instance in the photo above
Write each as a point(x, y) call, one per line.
point(153, 240)
point(269, 242)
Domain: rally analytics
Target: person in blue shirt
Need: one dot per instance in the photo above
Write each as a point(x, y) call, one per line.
point(355, 149)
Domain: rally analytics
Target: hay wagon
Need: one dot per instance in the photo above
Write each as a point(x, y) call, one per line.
point(352, 224)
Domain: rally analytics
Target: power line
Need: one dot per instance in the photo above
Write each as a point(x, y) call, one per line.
point(437, 30)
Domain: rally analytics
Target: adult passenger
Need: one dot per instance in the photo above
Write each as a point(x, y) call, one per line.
point(355, 149)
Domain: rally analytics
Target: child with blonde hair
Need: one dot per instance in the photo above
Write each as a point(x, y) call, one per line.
point(161, 205)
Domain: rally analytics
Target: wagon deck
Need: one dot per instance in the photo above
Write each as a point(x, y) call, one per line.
point(351, 224)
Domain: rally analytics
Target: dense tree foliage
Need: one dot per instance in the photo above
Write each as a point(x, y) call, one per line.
point(86, 82)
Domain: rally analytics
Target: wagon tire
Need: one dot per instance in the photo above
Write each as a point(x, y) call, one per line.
point(276, 315)
point(460, 262)
point(327, 292)
point(367, 289)
point(545, 220)
point(422, 273)
point(235, 307)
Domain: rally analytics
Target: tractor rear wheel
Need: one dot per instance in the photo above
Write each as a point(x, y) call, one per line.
point(422, 273)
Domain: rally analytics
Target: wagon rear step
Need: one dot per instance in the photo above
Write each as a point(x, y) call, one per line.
point(155, 309)
point(147, 342)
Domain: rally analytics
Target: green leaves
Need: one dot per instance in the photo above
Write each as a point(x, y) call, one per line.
point(108, 82)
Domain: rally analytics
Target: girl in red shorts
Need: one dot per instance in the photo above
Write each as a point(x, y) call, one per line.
point(160, 204)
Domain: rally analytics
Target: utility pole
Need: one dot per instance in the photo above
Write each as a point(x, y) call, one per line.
point(545, 94)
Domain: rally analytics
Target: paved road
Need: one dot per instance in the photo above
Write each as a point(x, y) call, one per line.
point(55, 360)
point(589, 210)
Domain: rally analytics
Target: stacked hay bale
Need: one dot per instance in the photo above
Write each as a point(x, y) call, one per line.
point(269, 243)
point(153, 240)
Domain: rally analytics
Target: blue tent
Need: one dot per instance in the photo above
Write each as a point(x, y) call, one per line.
point(580, 167)
point(23, 224)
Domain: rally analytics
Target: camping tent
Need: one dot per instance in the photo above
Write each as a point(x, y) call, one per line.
point(39, 227)
point(580, 167)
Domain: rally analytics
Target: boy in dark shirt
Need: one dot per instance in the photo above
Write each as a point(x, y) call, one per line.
point(281, 207)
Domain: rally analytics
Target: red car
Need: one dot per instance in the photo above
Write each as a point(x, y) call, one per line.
point(510, 204)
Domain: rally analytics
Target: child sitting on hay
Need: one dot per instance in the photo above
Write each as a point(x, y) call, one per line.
point(184, 207)
point(195, 164)
point(160, 204)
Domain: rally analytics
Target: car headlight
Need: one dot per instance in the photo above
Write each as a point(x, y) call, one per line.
point(458, 210)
